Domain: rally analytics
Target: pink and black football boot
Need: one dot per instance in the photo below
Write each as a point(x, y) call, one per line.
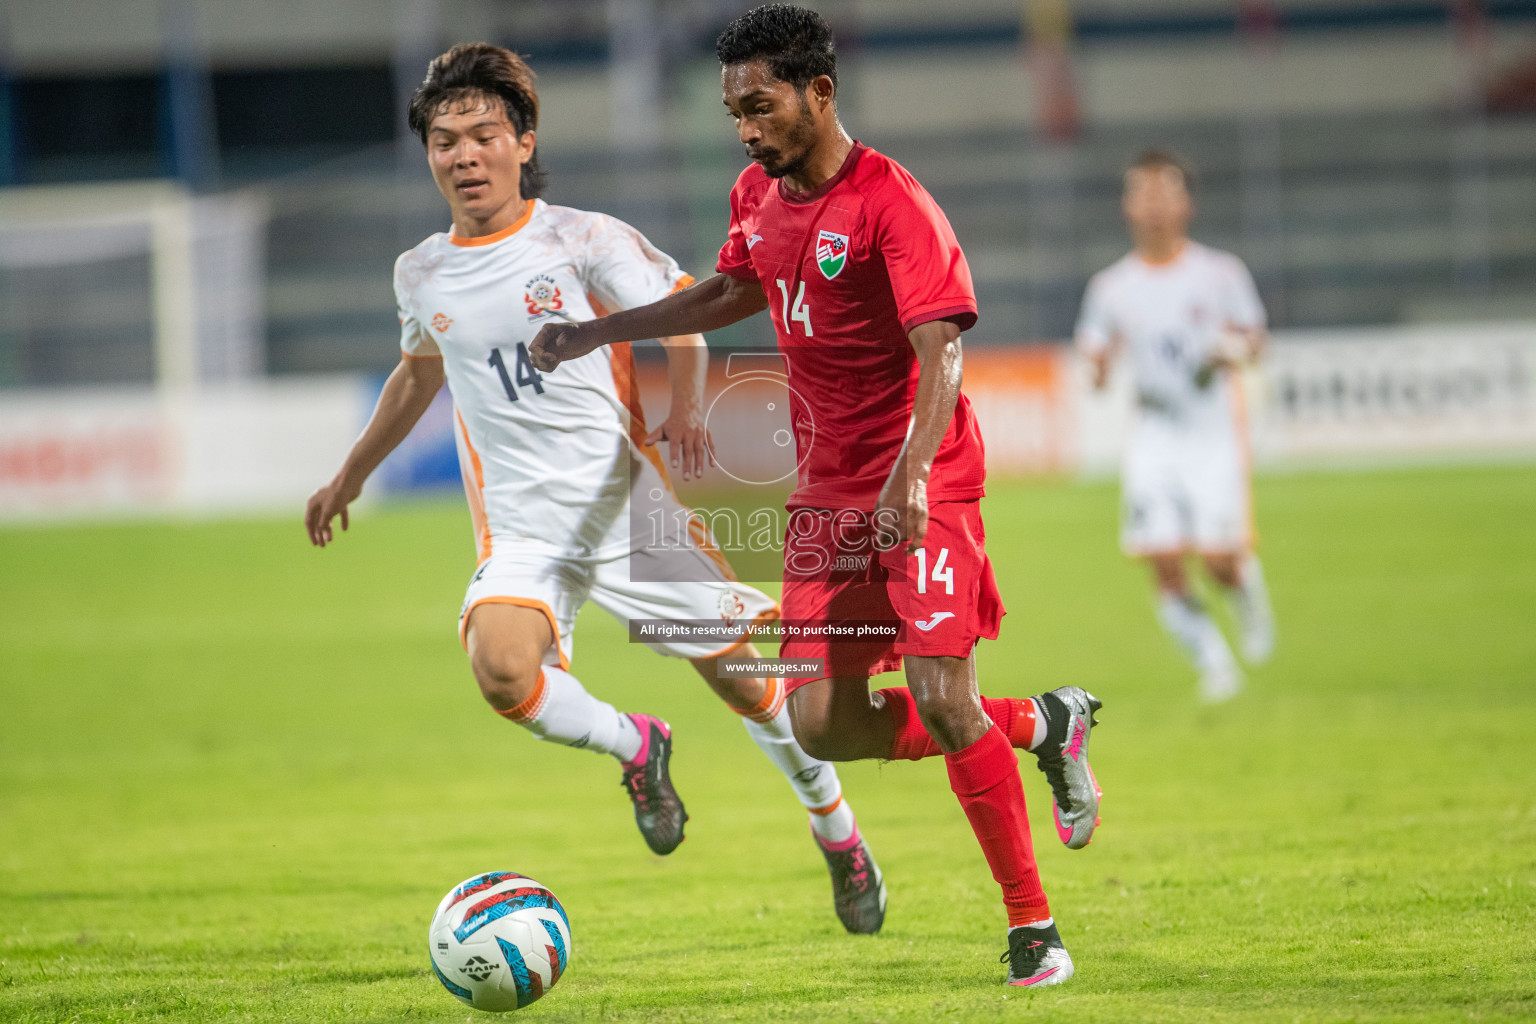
point(858, 890)
point(658, 809)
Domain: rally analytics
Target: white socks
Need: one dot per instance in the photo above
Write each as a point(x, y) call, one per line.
point(815, 782)
point(1042, 727)
point(1250, 607)
point(1185, 618)
point(562, 711)
point(836, 825)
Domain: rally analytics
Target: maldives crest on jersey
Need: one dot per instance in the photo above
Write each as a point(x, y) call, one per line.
point(831, 253)
point(542, 297)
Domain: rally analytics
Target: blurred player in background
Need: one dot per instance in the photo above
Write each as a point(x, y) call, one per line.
point(869, 291)
point(1188, 319)
point(551, 461)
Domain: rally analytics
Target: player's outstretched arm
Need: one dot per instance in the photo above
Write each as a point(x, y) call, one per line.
point(903, 502)
point(707, 306)
point(406, 395)
point(687, 367)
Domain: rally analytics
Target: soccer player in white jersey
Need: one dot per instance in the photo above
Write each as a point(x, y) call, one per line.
point(553, 461)
point(1187, 318)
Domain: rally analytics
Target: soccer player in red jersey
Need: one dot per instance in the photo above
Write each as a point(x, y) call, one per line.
point(869, 293)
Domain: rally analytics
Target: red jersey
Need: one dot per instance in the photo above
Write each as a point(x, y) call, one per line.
point(849, 268)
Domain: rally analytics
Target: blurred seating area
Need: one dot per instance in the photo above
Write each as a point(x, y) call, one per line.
point(1374, 162)
point(1368, 234)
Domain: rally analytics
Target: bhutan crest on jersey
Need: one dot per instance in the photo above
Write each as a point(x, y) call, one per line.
point(542, 297)
point(732, 607)
point(831, 253)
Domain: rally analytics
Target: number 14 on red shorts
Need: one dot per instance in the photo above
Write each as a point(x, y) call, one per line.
point(837, 568)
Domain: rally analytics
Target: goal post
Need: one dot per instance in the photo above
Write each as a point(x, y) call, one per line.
point(204, 276)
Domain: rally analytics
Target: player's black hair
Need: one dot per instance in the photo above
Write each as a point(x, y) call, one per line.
point(795, 42)
point(470, 73)
point(1150, 159)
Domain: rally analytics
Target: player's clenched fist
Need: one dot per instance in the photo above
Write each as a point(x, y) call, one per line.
point(552, 345)
point(901, 511)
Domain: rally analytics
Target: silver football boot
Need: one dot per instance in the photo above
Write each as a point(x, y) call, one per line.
point(1036, 957)
point(1063, 757)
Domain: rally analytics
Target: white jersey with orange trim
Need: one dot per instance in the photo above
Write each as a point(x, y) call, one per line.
point(545, 456)
point(1169, 318)
point(552, 462)
point(1185, 475)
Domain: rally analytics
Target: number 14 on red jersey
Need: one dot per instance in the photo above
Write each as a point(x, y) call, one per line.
point(800, 311)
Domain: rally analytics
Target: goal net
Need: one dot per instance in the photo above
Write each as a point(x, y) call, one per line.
point(129, 284)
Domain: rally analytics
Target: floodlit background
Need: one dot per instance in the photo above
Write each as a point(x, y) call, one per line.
point(204, 199)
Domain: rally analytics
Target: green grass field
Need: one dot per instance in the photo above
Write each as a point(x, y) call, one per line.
point(237, 774)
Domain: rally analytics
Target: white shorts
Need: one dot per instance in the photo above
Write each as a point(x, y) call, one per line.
point(1185, 492)
point(558, 586)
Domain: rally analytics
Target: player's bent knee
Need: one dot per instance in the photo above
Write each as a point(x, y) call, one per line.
point(819, 745)
point(1223, 569)
point(742, 694)
point(947, 728)
point(950, 718)
point(507, 677)
point(826, 727)
point(506, 646)
point(1169, 571)
point(817, 738)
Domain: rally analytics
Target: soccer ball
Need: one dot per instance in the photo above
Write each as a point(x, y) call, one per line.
point(499, 941)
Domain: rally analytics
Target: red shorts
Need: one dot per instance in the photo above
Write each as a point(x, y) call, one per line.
point(937, 601)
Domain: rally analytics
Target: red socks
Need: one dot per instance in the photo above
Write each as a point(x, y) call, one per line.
point(985, 778)
point(1015, 717)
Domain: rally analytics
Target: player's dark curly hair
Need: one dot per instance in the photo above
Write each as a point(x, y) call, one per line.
point(470, 73)
point(795, 42)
